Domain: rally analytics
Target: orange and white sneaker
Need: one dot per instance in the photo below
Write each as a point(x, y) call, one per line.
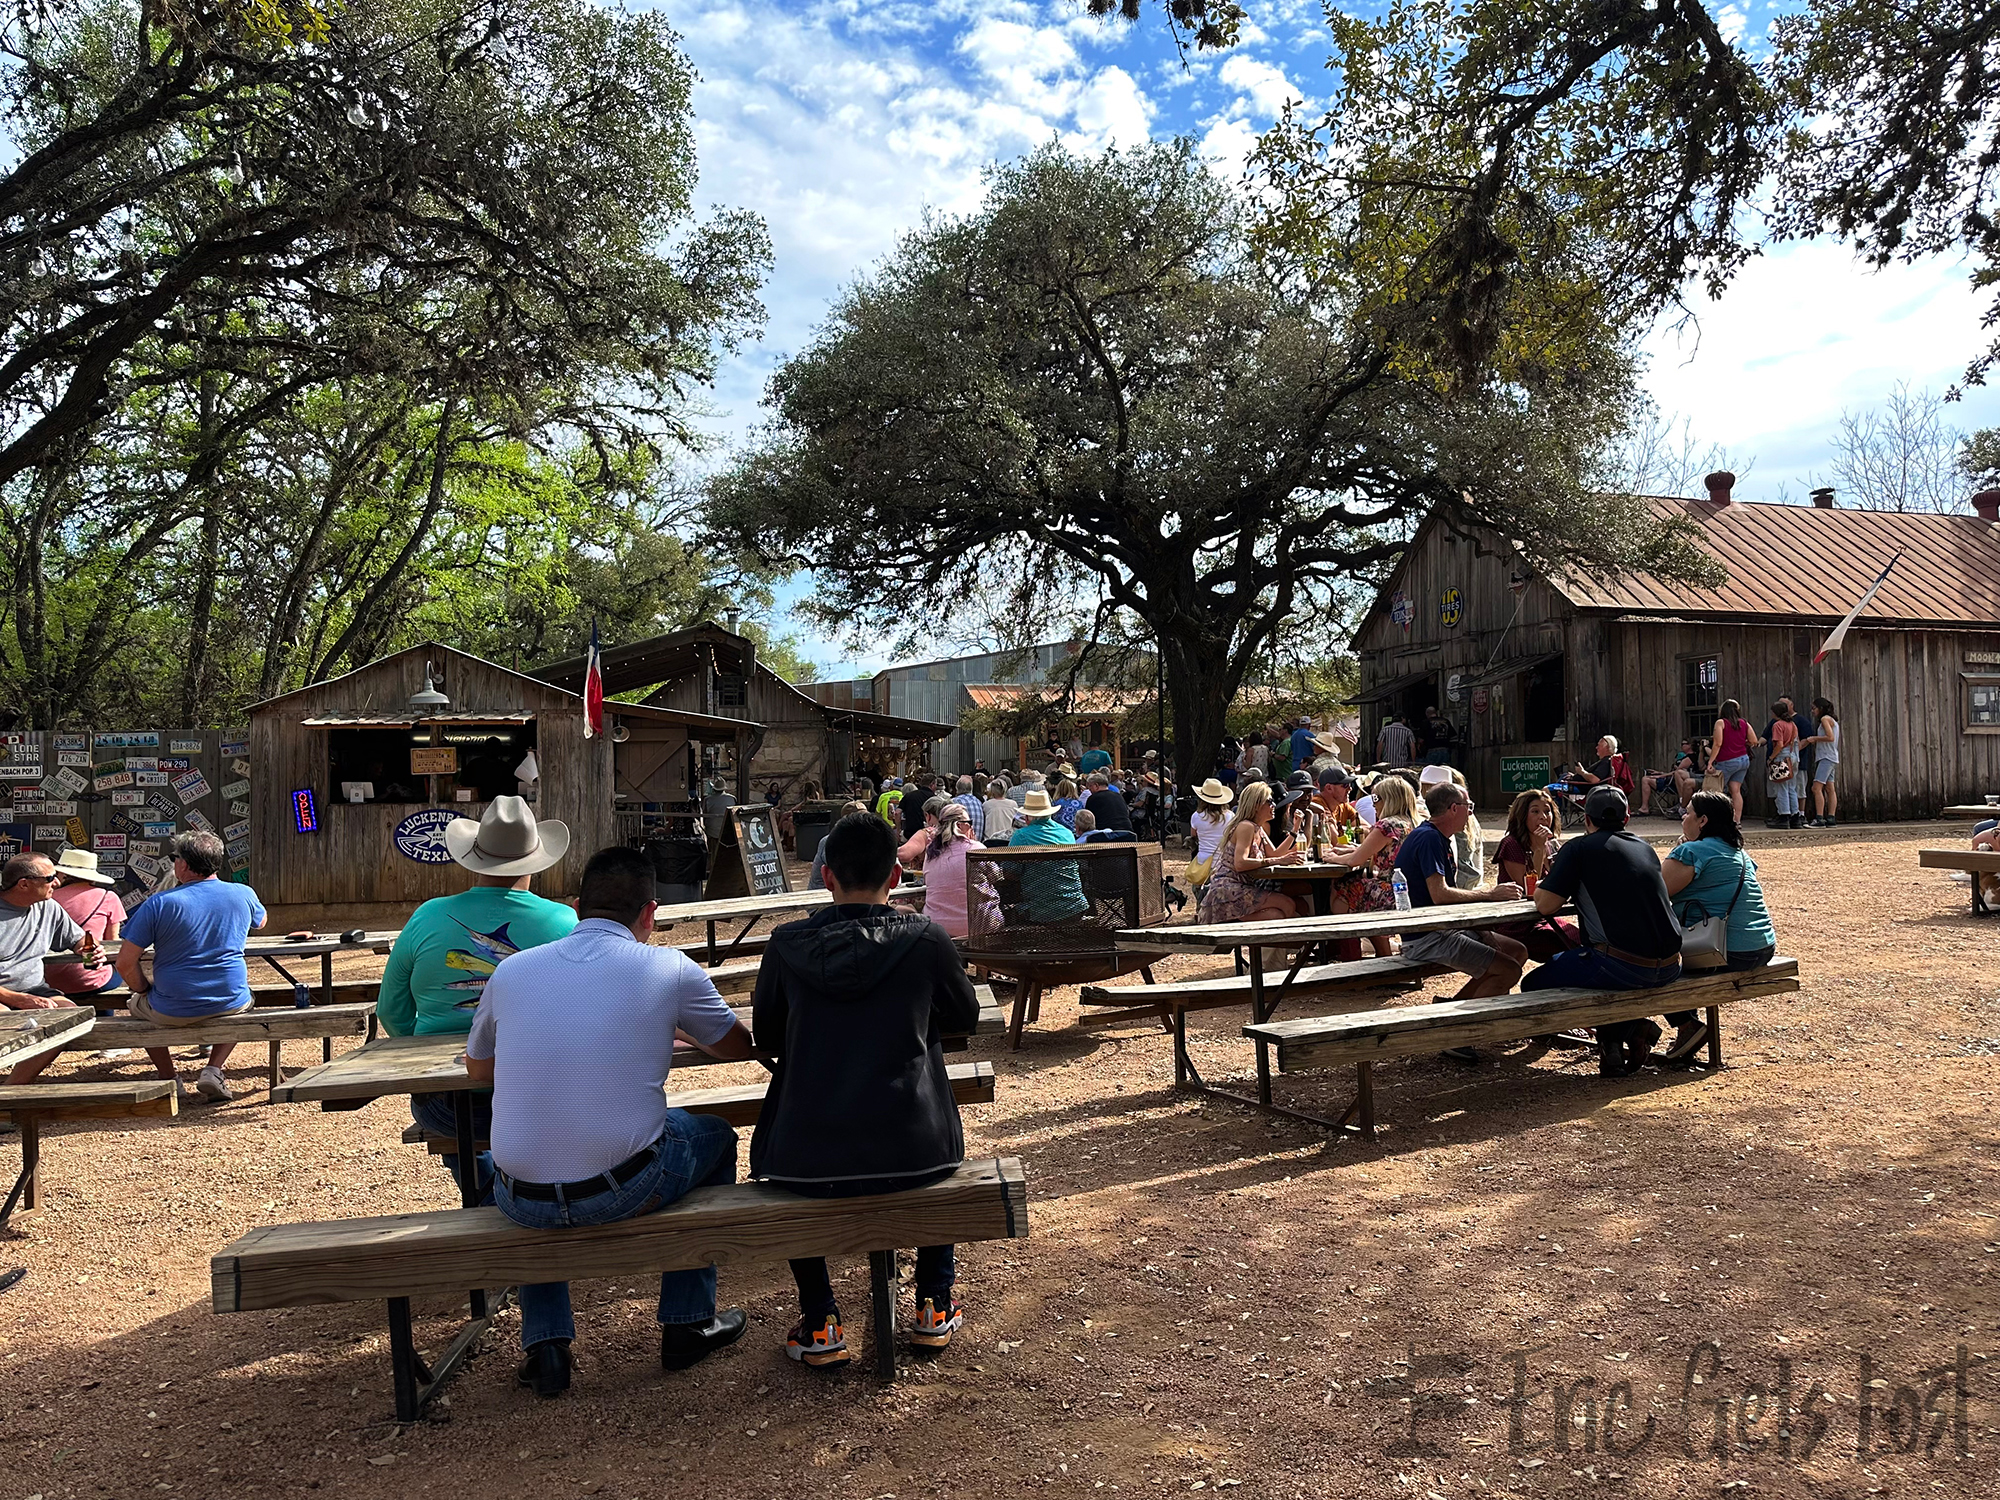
point(934, 1326)
point(822, 1347)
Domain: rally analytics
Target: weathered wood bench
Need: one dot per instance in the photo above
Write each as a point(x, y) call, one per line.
point(400, 1256)
point(1977, 862)
point(28, 1105)
point(1315, 982)
point(971, 1083)
point(1368, 1037)
point(273, 1026)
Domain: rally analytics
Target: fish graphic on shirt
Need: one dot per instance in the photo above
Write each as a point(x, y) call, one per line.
point(478, 961)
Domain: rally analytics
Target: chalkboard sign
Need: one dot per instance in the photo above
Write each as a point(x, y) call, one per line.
point(745, 858)
point(1523, 773)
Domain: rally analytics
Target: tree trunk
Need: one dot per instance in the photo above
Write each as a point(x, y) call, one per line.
point(1201, 680)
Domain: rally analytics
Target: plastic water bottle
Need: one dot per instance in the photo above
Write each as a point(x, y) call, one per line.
point(1400, 884)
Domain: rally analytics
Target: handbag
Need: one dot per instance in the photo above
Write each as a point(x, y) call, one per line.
point(1782, 768)
point(1705, 944)
point(1197, 871)
point(1711, 781)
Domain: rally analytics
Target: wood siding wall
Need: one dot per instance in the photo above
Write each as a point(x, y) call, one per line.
point(353, 858)
point(1905, 752)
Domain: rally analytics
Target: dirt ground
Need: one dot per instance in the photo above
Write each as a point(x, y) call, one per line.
point(1210, 1300)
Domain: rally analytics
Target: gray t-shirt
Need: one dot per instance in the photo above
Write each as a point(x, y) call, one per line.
point(26, 933)
point(581, 1033)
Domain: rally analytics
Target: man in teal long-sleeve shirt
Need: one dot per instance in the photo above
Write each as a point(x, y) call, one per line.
point(452, 944)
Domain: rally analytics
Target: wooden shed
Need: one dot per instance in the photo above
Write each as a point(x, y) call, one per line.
point(354, 783)
point(795, 741)
point(1532, 669)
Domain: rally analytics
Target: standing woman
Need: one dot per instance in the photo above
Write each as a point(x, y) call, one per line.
point(1209, 823)
point(1781, 766)
point(1734, 739)
point(1256, 755)
point(1826, 799)
point(1234, 893)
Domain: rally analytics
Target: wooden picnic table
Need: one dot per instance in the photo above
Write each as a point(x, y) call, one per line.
point(26, 1034)
point(752, 910)
point(271, 950)
point(1312, 937)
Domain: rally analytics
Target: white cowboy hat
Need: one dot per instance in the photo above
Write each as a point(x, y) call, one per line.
point(1036, 804)
point(81, 864)
point(506, 840)
point(1214, 793)
point(1434, 776)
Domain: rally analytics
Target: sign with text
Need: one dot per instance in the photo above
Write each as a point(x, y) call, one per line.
point(1523, 773)
point(748, 860)
point(426, 760)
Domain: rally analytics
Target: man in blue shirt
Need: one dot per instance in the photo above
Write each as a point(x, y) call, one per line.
point(1096, 758)
point(1428, 862)
point(196, 931)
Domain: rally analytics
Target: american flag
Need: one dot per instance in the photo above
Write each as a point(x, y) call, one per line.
point(593, 687)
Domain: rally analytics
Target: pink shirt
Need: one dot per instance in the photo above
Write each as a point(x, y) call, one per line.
point(95, 910)
point(944, 886)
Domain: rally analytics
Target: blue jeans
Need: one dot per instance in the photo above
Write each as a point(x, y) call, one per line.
point(1785, 796)
point(693, 1151)
point(433, 1112)
point(1734, 769)
point(1586, 968)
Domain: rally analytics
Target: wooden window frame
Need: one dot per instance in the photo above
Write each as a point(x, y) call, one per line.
point(1966, 682)
point(1688, 710)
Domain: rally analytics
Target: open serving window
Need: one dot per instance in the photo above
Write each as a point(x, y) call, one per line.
point(455, 759)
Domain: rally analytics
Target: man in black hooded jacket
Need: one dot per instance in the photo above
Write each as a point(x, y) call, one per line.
point(854, 1003)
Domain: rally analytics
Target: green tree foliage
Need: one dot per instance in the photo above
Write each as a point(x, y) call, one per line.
point(1092, 386)
point(1495, 127)
point(313, 319)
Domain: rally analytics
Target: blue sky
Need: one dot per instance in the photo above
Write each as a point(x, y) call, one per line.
point(843, 121)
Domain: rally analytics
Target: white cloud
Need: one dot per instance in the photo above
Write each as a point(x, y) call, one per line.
point(1112, 110)
point(1263, 85)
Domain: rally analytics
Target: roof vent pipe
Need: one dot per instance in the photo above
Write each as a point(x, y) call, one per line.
point(1822, 498)
point(1719, 485)
point(1987, 503)
point(733, 615)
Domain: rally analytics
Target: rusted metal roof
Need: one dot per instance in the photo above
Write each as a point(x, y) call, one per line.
point(1085, 700)
point(1797, 561)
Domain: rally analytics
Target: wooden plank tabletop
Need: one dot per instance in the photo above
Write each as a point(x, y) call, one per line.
point(1970, 810)
point(1986, 861)
point(30, 1033)
point(435, 1064)
point(1223, 937)
point(271, 947)
point(740, 906)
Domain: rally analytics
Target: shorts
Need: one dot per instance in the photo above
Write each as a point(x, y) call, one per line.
point(138, 1005)
point(1455, 950)
point(1733, 770)
point(1823, 772)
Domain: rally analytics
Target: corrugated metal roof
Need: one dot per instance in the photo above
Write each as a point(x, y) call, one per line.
point(1796, 560)
point(405, 721)
point(1086, 700)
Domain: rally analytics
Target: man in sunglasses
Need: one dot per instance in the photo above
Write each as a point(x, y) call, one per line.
point(31, 925)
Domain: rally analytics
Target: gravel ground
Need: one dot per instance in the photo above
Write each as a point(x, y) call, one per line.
point(1210, 1300)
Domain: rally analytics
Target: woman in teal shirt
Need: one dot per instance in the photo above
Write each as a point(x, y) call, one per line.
point(1702, 876)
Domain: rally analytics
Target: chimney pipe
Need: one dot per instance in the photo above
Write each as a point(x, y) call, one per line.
point(1719, 484)
point(733, 615)
point(1822, 498)
point(1987, 504)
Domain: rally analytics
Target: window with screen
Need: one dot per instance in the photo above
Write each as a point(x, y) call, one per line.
point(1982, 702)
point(1699, 700)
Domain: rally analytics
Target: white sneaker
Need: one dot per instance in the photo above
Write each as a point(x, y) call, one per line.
point(212, 1085)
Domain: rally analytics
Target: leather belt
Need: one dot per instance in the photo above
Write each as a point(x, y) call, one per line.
point(604, 1182)
point(1637, 962)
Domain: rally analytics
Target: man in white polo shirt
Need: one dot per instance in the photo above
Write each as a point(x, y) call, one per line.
point(576, 1037)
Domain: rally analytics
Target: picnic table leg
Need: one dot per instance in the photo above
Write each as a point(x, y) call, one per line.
point(1364, 1096)
point(711, 943)
point(1181, 1067)
point(31, 1159)
point(882, 1274)
point(1020, 1015)
point(468, 1174)
point(403, 1360)
point(1715, 1036)
point(277, 1077)
point(1257, 1010)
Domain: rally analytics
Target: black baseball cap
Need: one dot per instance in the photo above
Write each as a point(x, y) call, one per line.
point(1335, 776)
point(1298, 780)
point(1606, 806)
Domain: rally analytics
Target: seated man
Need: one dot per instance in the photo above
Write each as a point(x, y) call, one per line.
point(1631, 939)
point(1428, 861)
point(31, 924)
point(451, 945)
point(196, 931)
point(855, 1002)
point(1107, 804)
point(576, 1038)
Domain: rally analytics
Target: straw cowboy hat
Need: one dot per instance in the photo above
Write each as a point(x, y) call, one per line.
point(506, 840)
point(1214, 793)
point(81, 864)
point(1036, 804)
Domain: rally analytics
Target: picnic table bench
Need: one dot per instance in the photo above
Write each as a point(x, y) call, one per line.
point(1368, 1037)
point(1970, 810)
point(270, 1025)
point(739, 1105)
point(1310, 937)
point(1977, 862)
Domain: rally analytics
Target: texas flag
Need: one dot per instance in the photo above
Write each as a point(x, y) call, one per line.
point(595, 687)
point(1840, 631)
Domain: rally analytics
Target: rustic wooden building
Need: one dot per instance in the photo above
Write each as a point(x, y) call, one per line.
point(1533, 668)
point(361, 734)
point(795, 742)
